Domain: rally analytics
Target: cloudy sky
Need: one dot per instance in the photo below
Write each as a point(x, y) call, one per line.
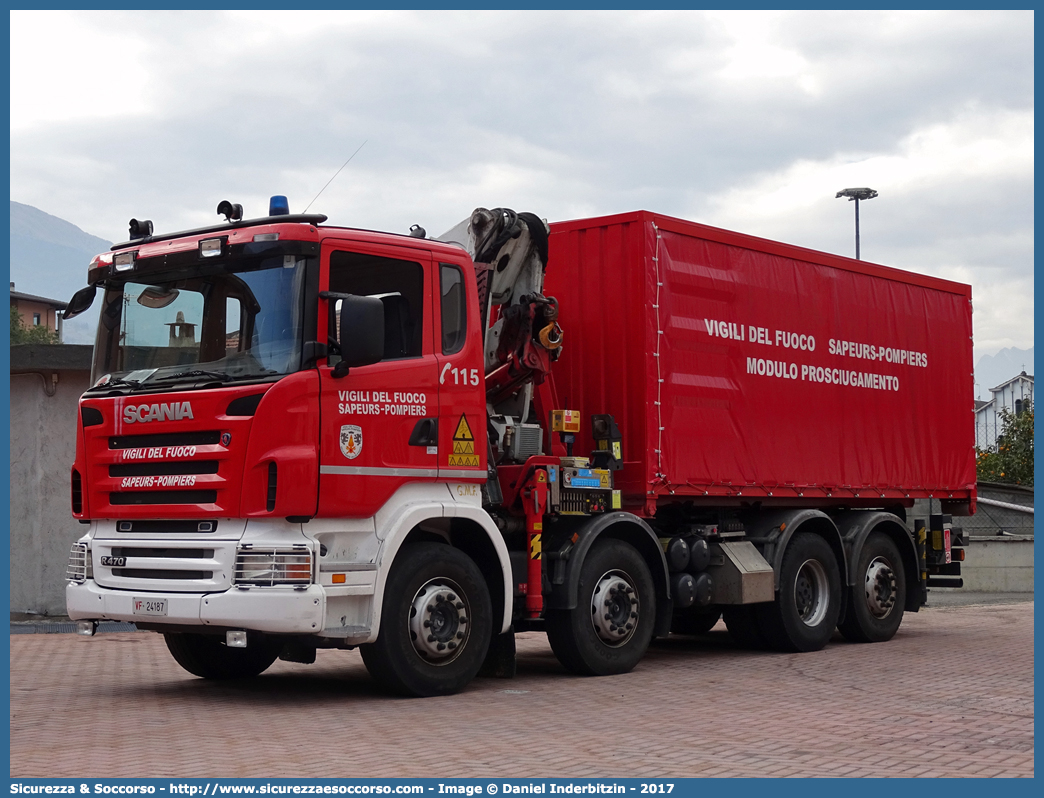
point(746, 120)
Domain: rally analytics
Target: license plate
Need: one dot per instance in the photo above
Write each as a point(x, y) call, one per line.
point(143, 606)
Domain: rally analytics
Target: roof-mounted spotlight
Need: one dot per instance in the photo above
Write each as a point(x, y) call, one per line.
point(140, 229)
point(231, 212)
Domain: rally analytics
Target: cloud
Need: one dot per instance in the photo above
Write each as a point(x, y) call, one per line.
point(73, 71)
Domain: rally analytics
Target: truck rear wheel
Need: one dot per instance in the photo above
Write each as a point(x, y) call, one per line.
point(436, 624)
point(877, 600)
point(610, 629)
point(808, 603)
point(209, 657)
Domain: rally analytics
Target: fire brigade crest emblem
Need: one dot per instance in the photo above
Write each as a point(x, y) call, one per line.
point(351, 441)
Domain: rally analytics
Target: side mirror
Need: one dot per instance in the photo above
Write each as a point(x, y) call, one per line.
point(82, 300)
point(360, 330)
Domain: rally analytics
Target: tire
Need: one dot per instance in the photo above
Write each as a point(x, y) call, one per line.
point(808, 603)
point(209, 657)
point(878, 599)
point(694, 621)
point(742, 624)
point(616, 587)
point(436, 624)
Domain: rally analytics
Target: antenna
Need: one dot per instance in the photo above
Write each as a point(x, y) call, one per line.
point(328, 182)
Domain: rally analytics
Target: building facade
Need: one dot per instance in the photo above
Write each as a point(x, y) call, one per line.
point(1015, 395)
point(38, 311)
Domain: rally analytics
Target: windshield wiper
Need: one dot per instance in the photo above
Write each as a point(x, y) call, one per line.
point(116, 382)
point(216, 375)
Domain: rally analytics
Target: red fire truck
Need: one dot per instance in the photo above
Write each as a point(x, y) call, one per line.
point(303, 437)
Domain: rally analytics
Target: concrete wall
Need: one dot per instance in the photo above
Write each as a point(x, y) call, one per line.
point(43, 445)
point(999, 565)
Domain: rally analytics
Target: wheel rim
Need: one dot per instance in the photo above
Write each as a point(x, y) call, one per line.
point(880, 587)
point(440, 621)
point(811, 592)
point(615, 608)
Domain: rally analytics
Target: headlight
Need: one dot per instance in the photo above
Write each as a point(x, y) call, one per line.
point(80, 568)
point(271, 566)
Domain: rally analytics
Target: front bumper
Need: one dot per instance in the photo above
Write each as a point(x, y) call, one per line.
point(277, 610)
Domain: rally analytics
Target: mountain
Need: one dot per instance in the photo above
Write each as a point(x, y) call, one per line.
point(49, 257)
point(992, 370)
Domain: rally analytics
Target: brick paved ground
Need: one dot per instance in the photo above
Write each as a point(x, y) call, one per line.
point(951, 695)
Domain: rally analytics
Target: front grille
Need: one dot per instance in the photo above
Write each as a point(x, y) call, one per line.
point(159, 573)
point(151, 526)
point(130, 551)
point(183, 566)
point(163, 469)
point(79, 564)
point(206, 438)
point(164, 497)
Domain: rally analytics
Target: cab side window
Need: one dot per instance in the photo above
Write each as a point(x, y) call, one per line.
point(454, 309)
point(399, 284)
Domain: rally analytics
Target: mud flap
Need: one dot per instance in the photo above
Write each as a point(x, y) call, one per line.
point(500, 661)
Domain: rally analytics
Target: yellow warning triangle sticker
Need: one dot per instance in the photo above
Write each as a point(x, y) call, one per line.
point(464, 446)
point(463, 432)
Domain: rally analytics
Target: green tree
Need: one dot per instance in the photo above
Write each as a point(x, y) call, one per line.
point(1011, 460)
point(20, 334)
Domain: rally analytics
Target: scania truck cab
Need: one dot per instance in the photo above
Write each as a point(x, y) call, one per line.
point(242, 468)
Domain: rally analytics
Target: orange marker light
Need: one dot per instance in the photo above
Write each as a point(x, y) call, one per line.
point(338, 579)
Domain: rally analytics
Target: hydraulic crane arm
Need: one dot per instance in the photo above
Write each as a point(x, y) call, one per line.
point(522, 336)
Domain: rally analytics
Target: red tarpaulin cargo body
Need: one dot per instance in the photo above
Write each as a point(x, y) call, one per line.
point(743, 369)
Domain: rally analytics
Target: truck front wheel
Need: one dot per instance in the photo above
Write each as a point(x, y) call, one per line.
point(610, 629)
point(436, 623)
point(808, 604)
point(877, 600)
point(209, 657)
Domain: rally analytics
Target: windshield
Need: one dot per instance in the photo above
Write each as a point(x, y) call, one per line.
point(240, 321)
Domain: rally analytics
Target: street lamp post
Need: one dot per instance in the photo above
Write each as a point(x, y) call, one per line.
point(856, 194)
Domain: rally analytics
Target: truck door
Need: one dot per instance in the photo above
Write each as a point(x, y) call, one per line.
point(369, 417)
point(462, 384)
